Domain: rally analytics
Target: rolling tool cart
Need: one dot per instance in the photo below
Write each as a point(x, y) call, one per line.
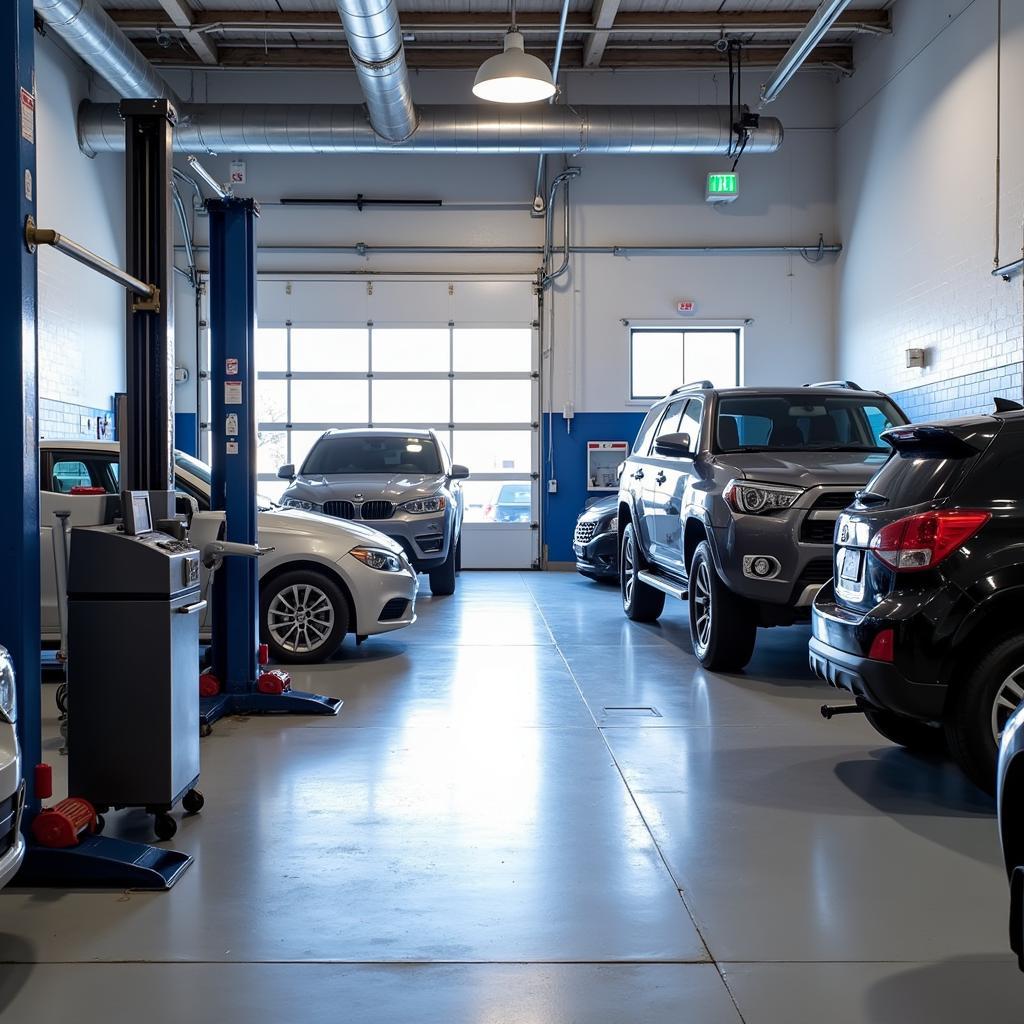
point(133, 636)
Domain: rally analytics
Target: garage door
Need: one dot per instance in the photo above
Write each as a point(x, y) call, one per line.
point(459, 355)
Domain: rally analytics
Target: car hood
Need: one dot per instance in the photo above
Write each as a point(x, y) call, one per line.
point(396, 487)
point(600, 508)
point(806, 469)
point(293, 520)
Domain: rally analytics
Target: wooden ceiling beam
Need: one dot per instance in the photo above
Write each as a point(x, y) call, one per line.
point(183, 17)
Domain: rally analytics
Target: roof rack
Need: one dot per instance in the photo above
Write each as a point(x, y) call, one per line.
point(693, 384)
point(848, 384)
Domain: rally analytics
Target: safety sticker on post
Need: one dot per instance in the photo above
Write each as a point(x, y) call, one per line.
point(231, 447)
point(28, 116)
point(231, 367)
point(232, 392)
point(231, 424)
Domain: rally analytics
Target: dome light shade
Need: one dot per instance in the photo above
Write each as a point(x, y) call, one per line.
point(513, 76)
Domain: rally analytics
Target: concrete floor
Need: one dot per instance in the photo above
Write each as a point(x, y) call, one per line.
point(531, 810)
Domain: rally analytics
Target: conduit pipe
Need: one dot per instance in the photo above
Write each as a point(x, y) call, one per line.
point(814, 31)
point(556, 65)
point(374, 37)
point(87, 28)
point(560, 180)
point(291, 128)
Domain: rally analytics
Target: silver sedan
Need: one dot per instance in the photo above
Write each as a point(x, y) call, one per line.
point(324, 579)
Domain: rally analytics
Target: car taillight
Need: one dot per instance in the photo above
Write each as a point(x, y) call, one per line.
point(923, 541)
point(883, 647)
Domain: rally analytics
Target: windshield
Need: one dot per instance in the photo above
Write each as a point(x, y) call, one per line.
point(374, 453)
point(803, 422)
point(193, 466)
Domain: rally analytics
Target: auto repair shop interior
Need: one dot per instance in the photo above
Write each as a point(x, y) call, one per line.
point(517, 511)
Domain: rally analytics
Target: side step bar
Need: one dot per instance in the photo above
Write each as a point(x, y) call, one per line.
point(663, 584)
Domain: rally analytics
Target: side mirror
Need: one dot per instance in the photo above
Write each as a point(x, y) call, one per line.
point(459, 472)
point(675, 446)
point(286, 472)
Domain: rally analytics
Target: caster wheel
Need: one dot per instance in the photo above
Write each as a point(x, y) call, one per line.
point(205, 729)
point(101, 824)
point(192, 802)
point(164, 826)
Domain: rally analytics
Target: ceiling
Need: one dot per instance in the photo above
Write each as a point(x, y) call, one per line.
point(461, 33)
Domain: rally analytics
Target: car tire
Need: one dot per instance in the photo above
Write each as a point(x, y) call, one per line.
point(722, 624)
point(306, 639)
point(458, 557)
point(915, 736)
point(978, 708)
point(640, 602)
point(442, 579)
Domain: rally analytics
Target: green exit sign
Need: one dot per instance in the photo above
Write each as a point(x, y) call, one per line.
point(723, 187)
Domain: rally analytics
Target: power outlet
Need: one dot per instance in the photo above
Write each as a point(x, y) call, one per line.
point(552, 487)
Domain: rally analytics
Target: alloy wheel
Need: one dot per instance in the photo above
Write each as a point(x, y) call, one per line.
point(1008, 698)
point(300, 618)
point(702, 604)
point(627, 571)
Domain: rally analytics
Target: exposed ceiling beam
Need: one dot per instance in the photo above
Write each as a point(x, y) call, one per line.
point(460, 57)
point(182, 16)
point(789, 22)
point(603, 17)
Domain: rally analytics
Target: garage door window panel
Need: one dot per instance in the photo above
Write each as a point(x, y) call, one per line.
point(330, 350)
point(411, 402)
point(494, 451)
point(492, 350)
point(330, 401)
point(493, 401)
point(410, 350)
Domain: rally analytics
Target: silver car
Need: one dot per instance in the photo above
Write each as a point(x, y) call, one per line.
point(12, 790)
point(324, 579)
point(401, 480)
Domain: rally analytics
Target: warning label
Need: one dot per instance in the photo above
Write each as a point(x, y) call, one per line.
point(232, 392)
point(28, 116)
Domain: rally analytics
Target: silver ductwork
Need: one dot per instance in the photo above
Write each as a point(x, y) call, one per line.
point(288, 128)
point(374, 38)
point(87, 28)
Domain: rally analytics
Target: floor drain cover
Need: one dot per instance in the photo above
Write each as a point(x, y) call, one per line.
point(633, 712)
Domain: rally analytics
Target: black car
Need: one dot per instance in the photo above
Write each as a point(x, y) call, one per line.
point(923, 621)
point(1010, 801)
point(595, 541)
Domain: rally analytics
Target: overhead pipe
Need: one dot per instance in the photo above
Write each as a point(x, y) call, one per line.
point(87, 28)
point(814, 31)
point(562, 180)
point(324, 128)
point(556, 64)
point(374, 37)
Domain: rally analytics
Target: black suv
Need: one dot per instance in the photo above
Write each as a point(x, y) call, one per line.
point(729, 500)
point(924, 622)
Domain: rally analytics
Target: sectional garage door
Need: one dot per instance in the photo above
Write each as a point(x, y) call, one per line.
point(456, 354)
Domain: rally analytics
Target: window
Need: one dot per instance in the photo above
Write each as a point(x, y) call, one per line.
point(646, 433)
point(670, 421)
point(661, 358)
point(690, 423)
point(73, 469)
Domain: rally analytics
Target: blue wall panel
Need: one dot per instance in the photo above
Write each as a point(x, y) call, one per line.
point(570, 470)
point(185, 433)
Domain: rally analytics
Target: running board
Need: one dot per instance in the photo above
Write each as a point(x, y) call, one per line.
point(666, 586)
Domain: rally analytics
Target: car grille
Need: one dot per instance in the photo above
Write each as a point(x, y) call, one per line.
point(817, 531)
point(835, 501)
point(585, 532)
point(377, 509)
point(394, 609)
point(8, 818)
point(340, 509)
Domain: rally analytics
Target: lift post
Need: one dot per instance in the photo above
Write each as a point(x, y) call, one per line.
point(235, 588)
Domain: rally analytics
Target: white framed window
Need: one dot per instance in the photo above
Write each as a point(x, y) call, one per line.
point(662, 358)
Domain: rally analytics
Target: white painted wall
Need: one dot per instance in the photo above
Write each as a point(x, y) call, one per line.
point(916, 160)
point(786, 198)
point(81, 315)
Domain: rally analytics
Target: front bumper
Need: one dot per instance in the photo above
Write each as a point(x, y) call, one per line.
point(426, 540)
point(12, 842)
point(383, 601)
point(599, 557)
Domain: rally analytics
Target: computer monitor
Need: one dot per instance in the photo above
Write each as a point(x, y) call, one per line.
point(136, 512)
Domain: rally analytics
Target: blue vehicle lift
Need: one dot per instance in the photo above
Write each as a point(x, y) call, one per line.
point(97, 860)
point(235, 588)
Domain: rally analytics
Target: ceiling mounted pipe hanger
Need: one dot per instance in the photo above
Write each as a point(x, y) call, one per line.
point(821, 21)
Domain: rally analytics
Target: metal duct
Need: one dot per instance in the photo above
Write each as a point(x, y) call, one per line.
point(287, 128)
point(374, 38)
point(90, 32)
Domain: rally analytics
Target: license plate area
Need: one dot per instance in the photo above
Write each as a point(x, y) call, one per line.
point(850, 565)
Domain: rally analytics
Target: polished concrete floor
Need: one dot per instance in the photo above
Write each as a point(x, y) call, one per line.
point(531, 810)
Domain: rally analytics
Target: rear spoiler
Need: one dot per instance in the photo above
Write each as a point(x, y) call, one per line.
point(937, 441)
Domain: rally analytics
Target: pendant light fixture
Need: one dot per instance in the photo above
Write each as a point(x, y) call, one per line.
point(513, 76)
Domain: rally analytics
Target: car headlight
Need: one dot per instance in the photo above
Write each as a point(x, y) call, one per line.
point(759, 499)
point(8, 694)
point(375, 558)
point(306, 506)
point(423, 506)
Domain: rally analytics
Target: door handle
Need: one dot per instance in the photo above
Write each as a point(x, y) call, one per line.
point(660, 478)
point(638, 475)
point(191, 609)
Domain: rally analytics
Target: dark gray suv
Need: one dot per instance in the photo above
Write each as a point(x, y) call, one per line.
point(729, 500)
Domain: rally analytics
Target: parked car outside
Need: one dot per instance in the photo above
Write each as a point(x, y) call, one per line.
point(729, 499)
point(513, 504)
point(595, 541)
point(330, 576)
point(923, 622)
point(402, 481)
point(1010, 805)
point(12, 787)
